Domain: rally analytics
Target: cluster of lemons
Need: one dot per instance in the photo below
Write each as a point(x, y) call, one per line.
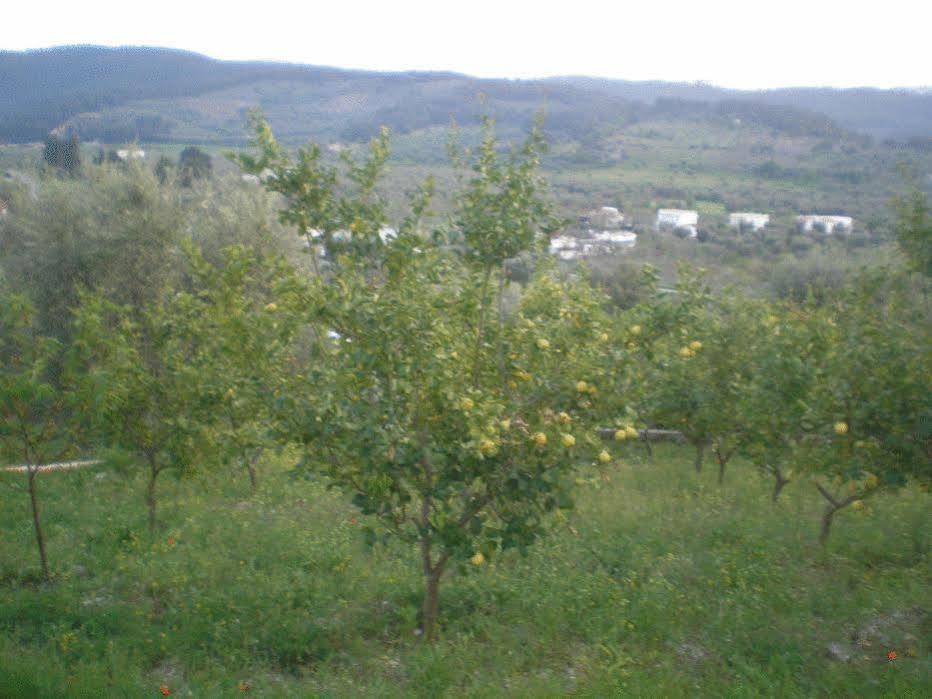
point(691, 349)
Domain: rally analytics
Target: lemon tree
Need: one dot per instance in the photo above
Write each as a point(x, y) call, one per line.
point(32, 406)
point(139, 388)
point(452, 420)
point(868, 418)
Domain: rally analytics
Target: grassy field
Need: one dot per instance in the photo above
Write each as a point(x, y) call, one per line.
point(659, 583)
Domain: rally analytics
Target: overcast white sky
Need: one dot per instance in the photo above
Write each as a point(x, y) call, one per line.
point(745, 44)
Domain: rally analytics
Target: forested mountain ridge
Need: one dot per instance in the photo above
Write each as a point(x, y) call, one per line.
point(154, 94)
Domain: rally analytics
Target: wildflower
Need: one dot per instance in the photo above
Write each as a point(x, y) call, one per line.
point(164, 690)
point(243, 687)
point(891, 655)
point(568, 440)
point(466, 404)
point(695, 345)
point(487, 447)
point(603, 337)
point(540, 439)
point(635, 329)
point(171, 541)
point(543, 344)
point(506, 424)
point(565, 418)
point(841, 428)
point(604, 457)
point(582, 387)
point(621, 435)
point(478, 559)
point(271, 307)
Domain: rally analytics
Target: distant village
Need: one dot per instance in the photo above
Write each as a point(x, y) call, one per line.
point(602, 231)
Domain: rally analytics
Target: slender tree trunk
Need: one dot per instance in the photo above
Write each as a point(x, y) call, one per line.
point(834, 504)
point(700, 455)
point(779, 482)
point(37, 522)
point(430, 605)
point(648, 446)
point(150, 492)
point(251, 467)
point(827, 517)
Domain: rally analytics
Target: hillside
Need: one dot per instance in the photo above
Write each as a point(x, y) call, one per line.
point(163, 95)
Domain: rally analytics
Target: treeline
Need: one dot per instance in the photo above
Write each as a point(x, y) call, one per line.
point(47, 89)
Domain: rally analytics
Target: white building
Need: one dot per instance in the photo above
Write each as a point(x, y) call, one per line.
point(745, 219)
point(605, 217)
point(624, 239)
point(826, 224)
point(131, 154)
point(667, 219)
point(569, 247)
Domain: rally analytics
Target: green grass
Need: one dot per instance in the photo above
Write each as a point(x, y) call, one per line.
point(658, 584)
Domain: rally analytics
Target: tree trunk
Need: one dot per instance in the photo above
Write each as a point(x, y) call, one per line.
point(649, 447)
point(37, 523)
point(834, 504)
point(150, 492)
point(700, 455)
point(827, 517)
point(251, 467)
point(430, 604)
point(779, 482)
point(722, 459)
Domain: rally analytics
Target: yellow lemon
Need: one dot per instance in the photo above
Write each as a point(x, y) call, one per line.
point(568, 440)
point(631, 432)
point(635, 329)
point(621, 435)
point(685, 352)
point(604, 457)
point(540, 439)
point(841, 428)
point(478, 559)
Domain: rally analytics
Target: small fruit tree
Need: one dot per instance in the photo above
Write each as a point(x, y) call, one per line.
point(678, 392)
point(774, 399)
point(31, 407)
point(870, 406)
point(453, 429)
point(140, 388)
point(246, 326)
